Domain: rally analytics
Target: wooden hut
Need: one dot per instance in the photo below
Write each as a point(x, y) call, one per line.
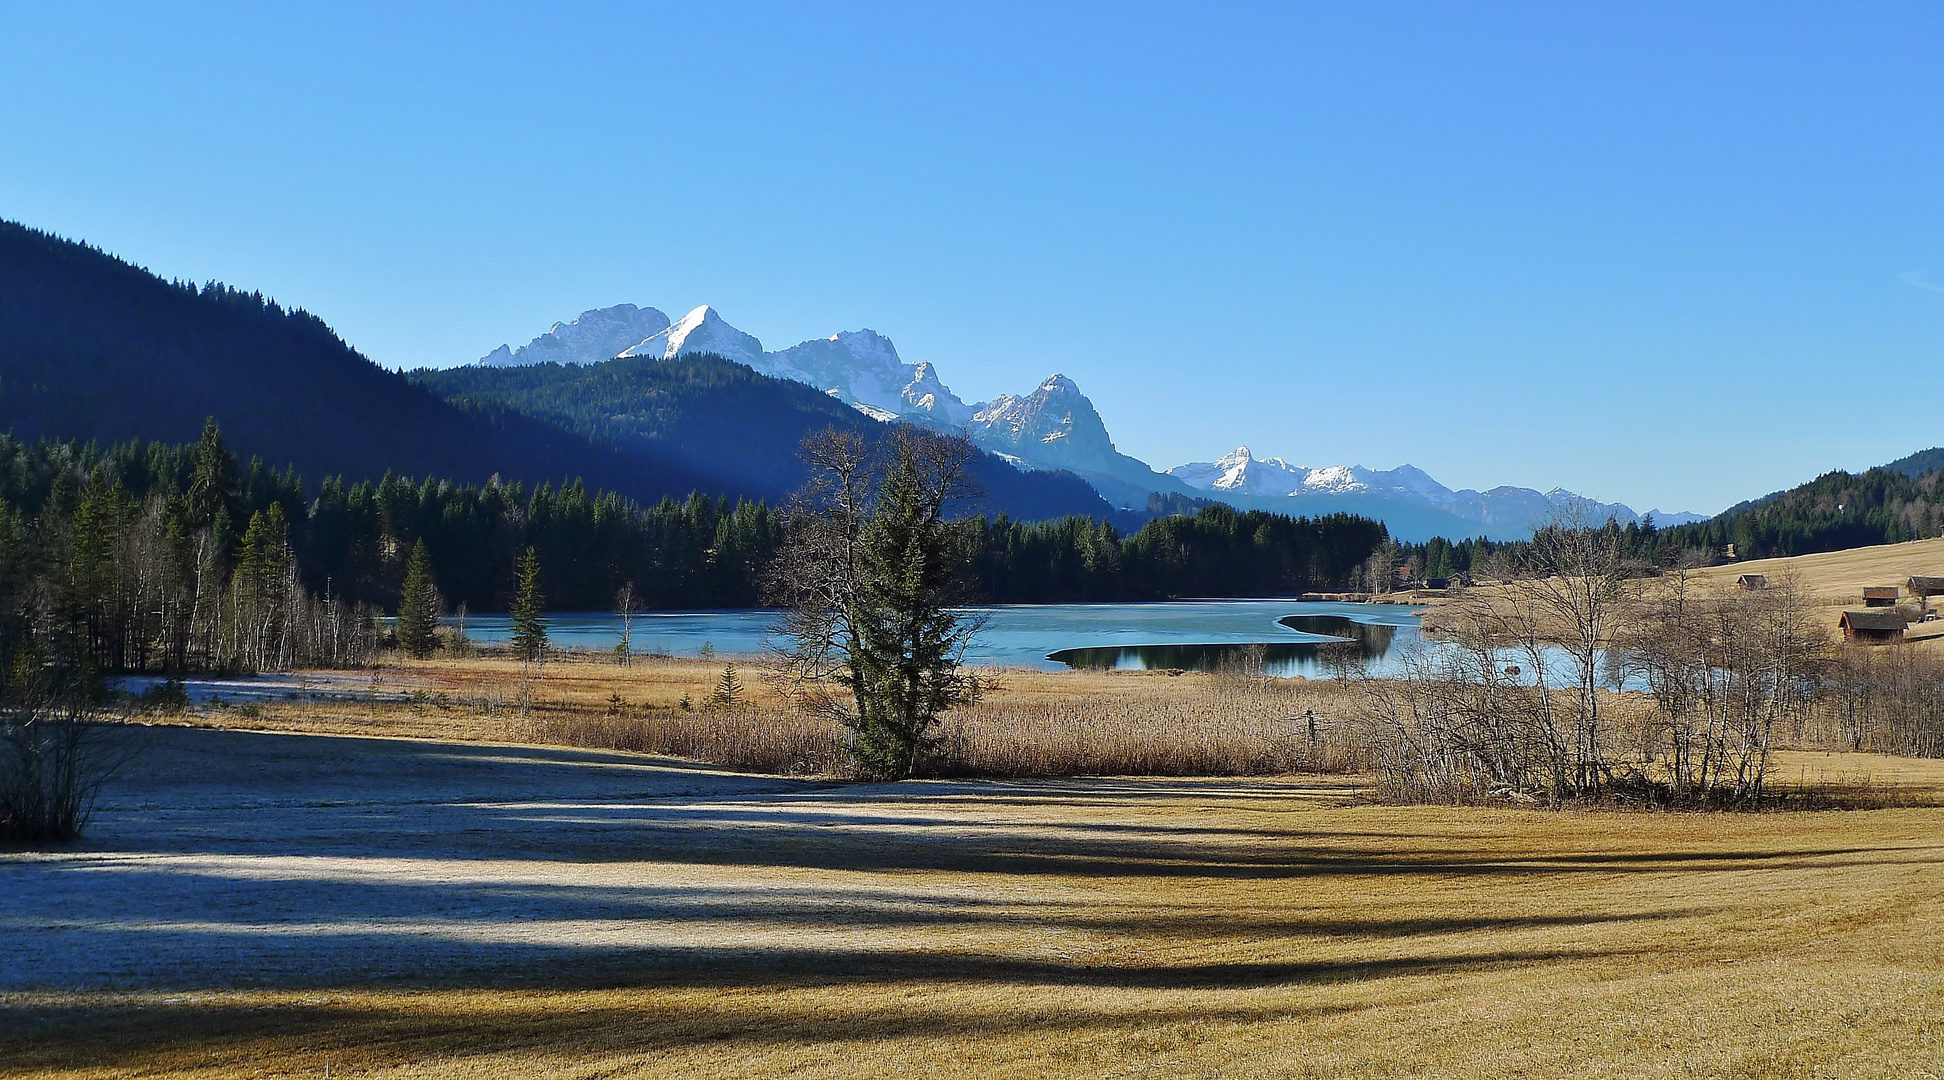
point(1925, 586)
point(1872, 627)
point(1752, 582)
point(1880, 596)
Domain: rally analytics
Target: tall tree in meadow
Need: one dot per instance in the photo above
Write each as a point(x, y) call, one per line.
point(870, 574)
point(418, 606)
point(529, 628)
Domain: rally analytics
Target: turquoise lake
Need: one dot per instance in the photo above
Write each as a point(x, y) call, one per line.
point(1193, 635)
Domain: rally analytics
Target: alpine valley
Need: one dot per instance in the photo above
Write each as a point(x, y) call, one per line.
point(1055, 428)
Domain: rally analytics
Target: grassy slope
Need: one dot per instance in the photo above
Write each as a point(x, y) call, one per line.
point(1836, 579)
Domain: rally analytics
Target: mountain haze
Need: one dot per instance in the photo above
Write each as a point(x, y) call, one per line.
point(1501, 512)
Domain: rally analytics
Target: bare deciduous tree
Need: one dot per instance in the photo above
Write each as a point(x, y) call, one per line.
point(55, 753)
point(870, 586)
point(1726, 668)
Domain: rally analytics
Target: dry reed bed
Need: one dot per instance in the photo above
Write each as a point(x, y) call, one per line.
point(1028, 724)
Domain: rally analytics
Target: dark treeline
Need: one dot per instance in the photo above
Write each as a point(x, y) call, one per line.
point(1219, 552)
point(351, 541)
point(1641, 543)
point(1834, 512)
point(158, 557)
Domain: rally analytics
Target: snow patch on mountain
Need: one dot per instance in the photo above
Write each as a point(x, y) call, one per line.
point(1507, 510)
point(592, 336)
point(1054, 427)
point(863, 368)
point(700, 331)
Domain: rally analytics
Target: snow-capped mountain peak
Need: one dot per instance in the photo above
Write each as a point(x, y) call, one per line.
point(859, 367)
point(702, 330)
point(1502, 511)
point(1241, 473)
point(863, 367)
point(1054, 427)
point(591, 337)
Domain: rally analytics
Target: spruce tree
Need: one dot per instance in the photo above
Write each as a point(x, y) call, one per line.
point(529, 629)
point(418, 606)
point(213, 483)
point(874, 582)
point(728, 690)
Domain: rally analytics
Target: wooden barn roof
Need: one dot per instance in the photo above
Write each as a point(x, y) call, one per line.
point(1872, 620)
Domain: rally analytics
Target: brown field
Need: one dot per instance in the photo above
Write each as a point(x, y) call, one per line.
point(1836, 579)
point(463, 903)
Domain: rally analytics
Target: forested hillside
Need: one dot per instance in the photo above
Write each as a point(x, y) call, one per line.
point(1838, 510)
point(723, 419)
point(93, 348)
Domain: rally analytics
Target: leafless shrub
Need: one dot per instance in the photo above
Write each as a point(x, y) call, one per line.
point(1514, 703)
point(55, 753)
point(1888, 700)
point(1727, 668)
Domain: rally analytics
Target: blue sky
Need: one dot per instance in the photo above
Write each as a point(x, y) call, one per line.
point(1672, 255)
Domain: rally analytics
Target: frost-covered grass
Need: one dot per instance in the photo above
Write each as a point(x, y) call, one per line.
point(255, 904)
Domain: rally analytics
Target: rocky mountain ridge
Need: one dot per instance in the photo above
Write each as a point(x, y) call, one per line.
point(1056, 427)
point(1504, 508)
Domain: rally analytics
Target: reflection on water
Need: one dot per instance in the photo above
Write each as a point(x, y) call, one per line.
point(1336, 643)
point(1374, 638)
point(1282, 658)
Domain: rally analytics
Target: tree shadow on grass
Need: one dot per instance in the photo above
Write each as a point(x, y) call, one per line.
point(85, 1031)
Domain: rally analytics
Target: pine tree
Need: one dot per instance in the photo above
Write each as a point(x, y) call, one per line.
point(213, 483)
point(874, 585)
point(418, 606)
point(529, 629)
point(728, 689)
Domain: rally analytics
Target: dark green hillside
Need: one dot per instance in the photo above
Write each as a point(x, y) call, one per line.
point(1919, 463)
point(92, 348)
point(1836, 511)
point(723, 419)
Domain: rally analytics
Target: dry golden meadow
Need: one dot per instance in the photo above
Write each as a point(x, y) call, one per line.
point(489, 876)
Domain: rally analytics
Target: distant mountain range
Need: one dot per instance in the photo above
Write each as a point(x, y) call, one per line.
point(1056, 427)
point(94, 348)
point(1505, 510)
